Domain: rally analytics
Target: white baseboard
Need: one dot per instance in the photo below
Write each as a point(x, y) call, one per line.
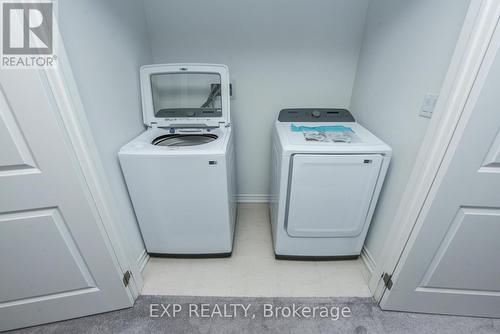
point(142, 260)
point(253, 198)
point(367, 258)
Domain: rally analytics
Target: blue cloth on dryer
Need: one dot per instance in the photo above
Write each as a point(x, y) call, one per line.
point(321, 128)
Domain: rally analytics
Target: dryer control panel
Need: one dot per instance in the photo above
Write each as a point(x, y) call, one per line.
point(315, 115)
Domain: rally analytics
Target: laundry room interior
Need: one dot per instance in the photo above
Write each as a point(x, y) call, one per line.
point(383, 60)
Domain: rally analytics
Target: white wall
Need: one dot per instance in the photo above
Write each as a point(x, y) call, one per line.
point(280, 53)
point(107, 43)
point(407, 48)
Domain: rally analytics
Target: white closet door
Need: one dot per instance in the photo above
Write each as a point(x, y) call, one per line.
point(55, 261)
point(330, 195)
point(451, 263)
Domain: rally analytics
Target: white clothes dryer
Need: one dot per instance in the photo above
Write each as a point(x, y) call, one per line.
point(327, 173)
point(180, 172)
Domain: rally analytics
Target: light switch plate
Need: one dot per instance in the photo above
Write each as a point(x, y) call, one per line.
point(428, 105)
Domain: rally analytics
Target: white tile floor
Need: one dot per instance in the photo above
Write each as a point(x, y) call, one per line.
point(253, 271)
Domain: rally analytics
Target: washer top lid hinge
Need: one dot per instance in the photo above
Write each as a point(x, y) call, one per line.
point(154, 125)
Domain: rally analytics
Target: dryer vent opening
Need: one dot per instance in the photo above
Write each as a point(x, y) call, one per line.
point(184, 140)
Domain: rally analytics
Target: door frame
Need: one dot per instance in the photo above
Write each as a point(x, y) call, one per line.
point(446, 127)
point(71, 113)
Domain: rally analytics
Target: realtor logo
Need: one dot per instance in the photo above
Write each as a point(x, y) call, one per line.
point(27, 34)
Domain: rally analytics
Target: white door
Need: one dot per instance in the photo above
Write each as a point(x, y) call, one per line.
point(451, 264)
point(55, 262)
point(330, 194)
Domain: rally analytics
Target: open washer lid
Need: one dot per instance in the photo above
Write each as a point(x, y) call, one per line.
point(185, 95)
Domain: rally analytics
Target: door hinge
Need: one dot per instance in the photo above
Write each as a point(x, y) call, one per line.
point(387, 280)
point(126, 277)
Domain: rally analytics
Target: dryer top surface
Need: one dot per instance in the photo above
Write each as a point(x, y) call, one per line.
point(329, 137)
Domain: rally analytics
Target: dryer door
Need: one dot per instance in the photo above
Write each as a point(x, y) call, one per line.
point(330, 195)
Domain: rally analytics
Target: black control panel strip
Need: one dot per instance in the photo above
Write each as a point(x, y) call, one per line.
point(315, 115)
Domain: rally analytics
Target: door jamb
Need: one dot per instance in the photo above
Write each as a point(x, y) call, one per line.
point(71, 112)
point(474, 39)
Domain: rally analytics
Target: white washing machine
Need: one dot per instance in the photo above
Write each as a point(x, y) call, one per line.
point(327, 172)
point(180, 172)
